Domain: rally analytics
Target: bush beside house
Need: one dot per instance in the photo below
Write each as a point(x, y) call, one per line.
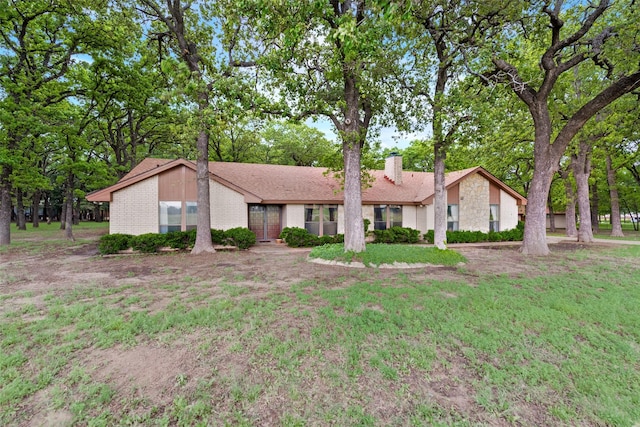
point(240, 237)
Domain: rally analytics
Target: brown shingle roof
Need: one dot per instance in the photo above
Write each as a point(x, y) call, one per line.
point(277, 184)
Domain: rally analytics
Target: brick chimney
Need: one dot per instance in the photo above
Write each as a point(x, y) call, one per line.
point(393, 168)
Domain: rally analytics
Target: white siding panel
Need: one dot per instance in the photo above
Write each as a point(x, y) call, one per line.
point(430, 216)
point(294, 216)
point(134, 209)
point(421, 219)
point(508, 212)
point(409, 217)
point(340, 219)
point(228, 208)
point(367, 213)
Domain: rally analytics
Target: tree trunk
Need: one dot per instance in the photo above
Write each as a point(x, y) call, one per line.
point(63, 215)
point(616, 226)
point(595, 207)
point(68, 203)
point(552, 216)
point(21, 220)
point(97, 213)
point(581, 165)
point(353, 225)
point(35, 208)
point(440, 198)
point(77, 213)
point(203, 241)
point(5, 206)
point(570, 210)
point(535, 225)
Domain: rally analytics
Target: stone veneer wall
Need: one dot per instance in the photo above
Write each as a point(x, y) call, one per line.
point(228, 208)
point(474, 204)
point(134, 209)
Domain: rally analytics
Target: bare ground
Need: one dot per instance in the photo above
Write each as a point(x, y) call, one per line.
point(156, 371)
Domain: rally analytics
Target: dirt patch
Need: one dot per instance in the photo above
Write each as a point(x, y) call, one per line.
point(156, 371)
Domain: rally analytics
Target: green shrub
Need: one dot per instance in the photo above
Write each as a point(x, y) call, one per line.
point(112, 243)
point(396, 235)
point(241, 237)
point(179, 239)
point(218, 237)
point(367, 223)
point(513, 235)
point(297, 237)
point(148, 243)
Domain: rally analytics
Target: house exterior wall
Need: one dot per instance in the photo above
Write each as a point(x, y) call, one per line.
point(430, 216)
point(508, 211)
point(134, 209)
point(474, 204)
point(560, 220)
point(409, 217)
point(341, 219)
point(293, 216)
point(421, 218)
point(228, 208)
point(367, 213)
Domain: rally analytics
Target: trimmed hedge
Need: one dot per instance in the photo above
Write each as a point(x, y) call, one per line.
point(297, 237)
point(513, 235)
point(113, 243)
point(396, 235)
point(241, 237)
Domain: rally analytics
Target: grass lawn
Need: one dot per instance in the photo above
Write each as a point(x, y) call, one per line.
point(232, 339)
point(379, 254)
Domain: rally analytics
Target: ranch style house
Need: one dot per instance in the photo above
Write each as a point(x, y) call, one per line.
point(159, 195)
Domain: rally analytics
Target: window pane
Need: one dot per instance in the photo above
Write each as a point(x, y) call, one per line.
point(170, 216)
point(494, 212)
point(330, 220)
point(395, 213)
point(312, 219)
point(380, 217)
point(192, 214)
point(452, 213)
point(452, 217)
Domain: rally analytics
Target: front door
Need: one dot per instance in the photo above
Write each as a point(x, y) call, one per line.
point(264, 221)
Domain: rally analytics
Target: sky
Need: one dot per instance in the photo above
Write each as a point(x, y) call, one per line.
point(389, 137)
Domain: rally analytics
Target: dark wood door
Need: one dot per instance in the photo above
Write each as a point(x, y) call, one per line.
point(265, 222)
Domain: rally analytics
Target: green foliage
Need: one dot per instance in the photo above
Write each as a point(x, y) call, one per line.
point(397, 235)
point(112, 243)
point(180, 239)
point(240, 237)
point(378, 254)
point(148, 243)
point(513, 235)
point(297, 237)
point(217, 237)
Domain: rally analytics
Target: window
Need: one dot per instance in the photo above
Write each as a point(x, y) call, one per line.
point(171, 216)
point(494, 217)
point(192, 215)
point(321, 220)
point(387, 216)
point(452, 218)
